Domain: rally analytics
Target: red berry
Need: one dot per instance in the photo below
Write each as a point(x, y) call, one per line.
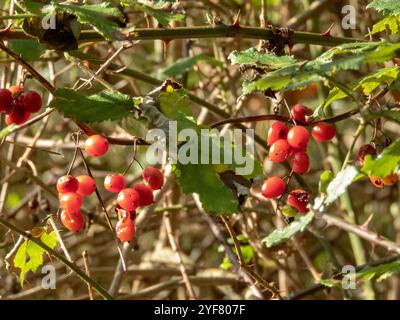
point(31, 101)
point(300, 162)
point(125, 229)
point(16, 89)
point(298, 137)
point(299, 199)
point(71, 202)
point(323, 131)
point(73, 221)
point(273, 187)
point(129, 199)
point(17, 116)
point(279, 151)
point(87, 185)
point(364, 150)
point(277, 131)
point(67, 184)
point(114, 182)
point(6, 100)
point(153, 178)
point(146, 194)
point(376, 181)
point(96, 145)
point(299, 113)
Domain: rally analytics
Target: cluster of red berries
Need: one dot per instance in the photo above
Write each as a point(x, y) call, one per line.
point(19, 104)
point(131, 198)
point(72, 190)
point(378, 182)
point(292, 144)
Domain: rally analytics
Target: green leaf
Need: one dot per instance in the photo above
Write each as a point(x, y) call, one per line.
point(340, 183)
point(155, 10)
point(392, 23)
point(393, 115)
point(253, 57)
point(388, 7)
point(324, 180)
point(107, 105)
point(186, 64)
point(104, 18)
point(330, 283)
point(382, 271)
point(207, 187)
point(280, 235)
point(385, 163)
point(345, 57)
point(29, 256)
point(35, 6)
point(28, 49)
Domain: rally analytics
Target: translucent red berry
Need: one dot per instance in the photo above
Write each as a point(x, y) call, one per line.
point(273, 187)
point(299, 113)
point(6, 100)
point(391, 179)
point(298, 137)
point(322, 132)
point(364, 150)
point(300, 162)
point(96, 145)
point(125, 229)
point(114, 182)
point(73, 221)
point(31, 101)
point(153, 178)
point(17, 116)
point(279, 151)
point(278, 130)
point(67, 184)
point(376, 181)
point(146, 194)
point(129, 199)
point(71, 202)
point(87, 185)
point(299, 199)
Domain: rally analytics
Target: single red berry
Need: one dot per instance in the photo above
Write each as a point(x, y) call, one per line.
point(279, 151)
point(146, 194)
point(300, 162)
point(277, 131)
point(73, 221)
point(391, 179)
point(6, 100)
point(299, 113)
point(17, 116)
point(299, 199)
point(87, 185)
point(128, 199)
point(298, 137)
point(323, 131)
point(71, 202)
point(67, 184)
point(376, 181)
point(96, 145)
point(364, 150)
point(114, 182)
point(153, 178)
point(125, 229)
point(273, 187)
point(15, 90)
point(31, 101)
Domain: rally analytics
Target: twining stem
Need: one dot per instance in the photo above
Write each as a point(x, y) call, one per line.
point(81, 274)
point(201, 32)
